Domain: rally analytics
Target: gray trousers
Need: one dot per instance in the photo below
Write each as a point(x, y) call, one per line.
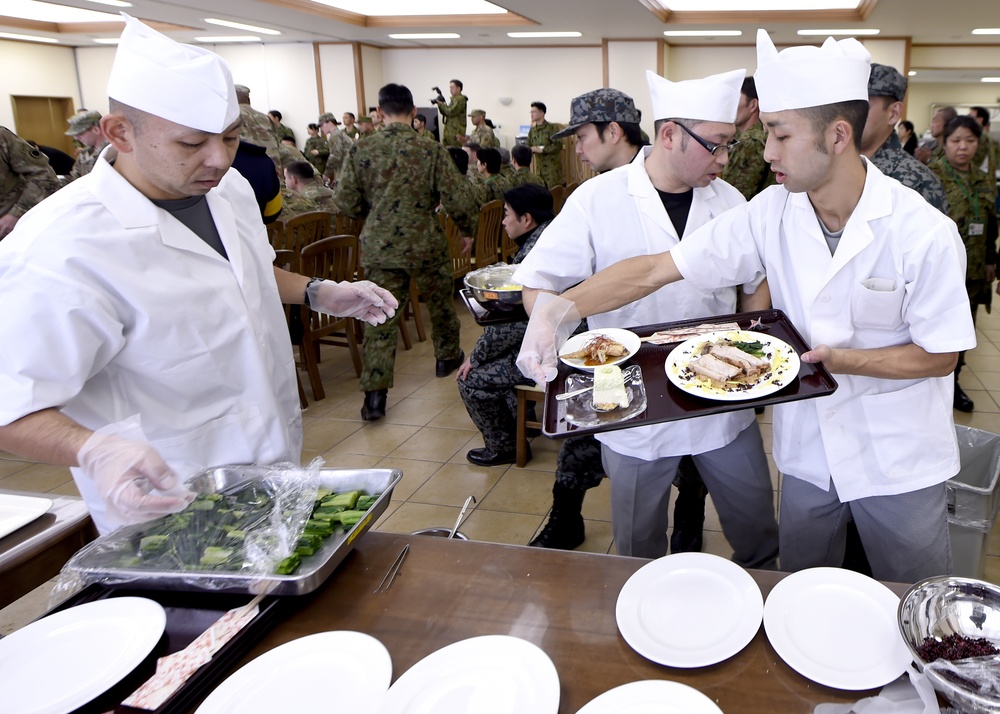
point(905, 536)
point(737, 479)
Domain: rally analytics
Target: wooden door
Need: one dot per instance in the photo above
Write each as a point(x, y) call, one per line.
point(43, 120)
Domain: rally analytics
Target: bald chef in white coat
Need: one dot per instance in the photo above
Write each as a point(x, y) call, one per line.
point(874, 279)
point(143, 335)
point(670, 189)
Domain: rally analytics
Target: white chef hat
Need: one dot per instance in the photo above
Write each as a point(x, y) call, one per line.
point(800, 77)
point(714, 98)
point(187, 85)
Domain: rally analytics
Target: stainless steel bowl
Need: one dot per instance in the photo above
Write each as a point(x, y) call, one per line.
point(486, 284)
point(943, 606)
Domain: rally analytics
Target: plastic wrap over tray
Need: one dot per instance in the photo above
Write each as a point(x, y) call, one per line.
point(92, 565)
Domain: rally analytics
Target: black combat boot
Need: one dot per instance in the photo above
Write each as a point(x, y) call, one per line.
point(564, 529)
point(374, 406)
point(962, 401)
point(689, 509)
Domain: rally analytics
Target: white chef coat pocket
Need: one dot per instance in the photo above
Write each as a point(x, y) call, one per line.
point(877, 303)
point(904, 427)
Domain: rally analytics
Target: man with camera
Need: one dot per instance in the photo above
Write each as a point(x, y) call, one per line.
point(453, 113)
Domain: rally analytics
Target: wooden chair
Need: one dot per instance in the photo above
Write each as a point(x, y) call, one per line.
point(570, 188)
point(275, 232)
point(558, 197)
point(508, 248)
point(526, 393)
point(347, 226)
point(488, 234)
point(304, 230)
point(412, 312)
point(283, 259)
point(460, 264)
point(334, 258)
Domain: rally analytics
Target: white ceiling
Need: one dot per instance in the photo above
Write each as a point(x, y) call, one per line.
point(925, 21)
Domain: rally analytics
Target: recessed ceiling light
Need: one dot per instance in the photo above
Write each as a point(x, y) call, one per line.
point(107, 40)
point(241, 26)
point(383, 8)
point(990, 79)
point(112, 3)
point(703, 33)
point(227, 38)
point(525, 35)
point(912, 73)
point(425, 36)
point(986, 31)
point(29, 38)
point(50, 12)
point(850, 33)
point(756, 5)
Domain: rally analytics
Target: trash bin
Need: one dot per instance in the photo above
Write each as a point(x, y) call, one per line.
point(973, 500)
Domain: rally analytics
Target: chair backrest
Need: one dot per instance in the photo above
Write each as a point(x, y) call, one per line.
point(347, 226)
point(460, 264)
point(558, 197)
point(276, 233)
point(304, 230)
point(488, 233)
point(333, 258)
point(283, 258)
point(571, 187)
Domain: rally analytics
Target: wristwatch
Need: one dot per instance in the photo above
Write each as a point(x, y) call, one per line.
point(311, 282)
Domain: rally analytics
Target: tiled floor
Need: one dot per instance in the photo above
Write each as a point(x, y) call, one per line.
point(426, 433)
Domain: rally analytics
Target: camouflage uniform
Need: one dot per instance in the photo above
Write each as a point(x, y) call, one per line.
point(746, 169)
point(893, 161)
point(491, 188)
point(485, 137)
point(454, 119)
point(313, 197)
point(257, 129)
point(283, 132)
point(338, 144)
point(523, 176)
point(988, 153)
point(85, 160)
point(25, 175)
point(352, 132)
point(395, 180)
point(549, 162)
point(317, 143)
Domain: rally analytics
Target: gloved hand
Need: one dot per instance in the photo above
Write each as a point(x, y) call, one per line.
point(133, 480)
point(553, 320)
point(363, 300)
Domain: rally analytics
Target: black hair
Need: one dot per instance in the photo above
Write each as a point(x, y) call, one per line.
point(314, 127)
point(276, 114)
point(982, 113)
point(540, 106)
point(909, 125)
point(350, 114)
point(473, 147)
point(395, 100)
point(490, 159)
point(632, 132)
point(421, 117)
point(530, 199)
point(749, 88)
point(301, 170)
point(489, 123)
point(854, 112)
point(962, 120)
point(458, 83)
point(521, 153)
point(947, 113)
point(460, 158)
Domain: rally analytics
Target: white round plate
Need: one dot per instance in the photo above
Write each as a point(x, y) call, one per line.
point(350, 668)
point(777, 351)
point(689, 610)
point(836, 627)
point(498, 674)
point(578, 342)
point(651, 696)
point(61, 662)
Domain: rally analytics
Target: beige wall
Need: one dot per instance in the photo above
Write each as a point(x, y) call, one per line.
point(697, 62)
point(627, 65)
point(94, 67)
point(32, 69)
point(374, 77)
point(339, 88)
point(921, 96)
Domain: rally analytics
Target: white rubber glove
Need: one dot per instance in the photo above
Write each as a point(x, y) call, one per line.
point(362, 299)
point(135, 483)
point(553, 320)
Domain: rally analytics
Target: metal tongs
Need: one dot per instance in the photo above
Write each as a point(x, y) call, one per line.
point(461, 515)
point(393, 570)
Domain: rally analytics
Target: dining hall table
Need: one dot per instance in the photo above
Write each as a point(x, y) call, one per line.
point(562, 601)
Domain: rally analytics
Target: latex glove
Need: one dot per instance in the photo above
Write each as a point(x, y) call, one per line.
point(133, 480)
point(362, 299)
point(553, 320)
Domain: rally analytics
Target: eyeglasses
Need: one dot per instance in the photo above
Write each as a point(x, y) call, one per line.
point(713, 149)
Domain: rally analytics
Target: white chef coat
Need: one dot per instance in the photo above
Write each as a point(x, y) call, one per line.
point(619, 215)
point(112, 308)
point(898, 276)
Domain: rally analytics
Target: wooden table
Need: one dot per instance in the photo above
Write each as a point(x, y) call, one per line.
point(562, 601)
point(36, 552)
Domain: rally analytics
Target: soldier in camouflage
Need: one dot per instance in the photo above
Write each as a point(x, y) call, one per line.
point(365, 127)
point(395, 180)
point(25, 179)
point(746, 169)
point(482, 134)
point(85, 127)
point(880, 143)
point(338, 144)
point(520, 158)
point(971, 198)
point(938, 122)
point(454, 114)
point(303, 192)
point(280, 130)
point(493, 185)
point(987, 157)
point(256, 127)
point(317, 148)
point(350, 128)
point(547, 150)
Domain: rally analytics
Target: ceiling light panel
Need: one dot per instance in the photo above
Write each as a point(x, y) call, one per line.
point(756, 5)
point(241, 26)
point(392, 8)
point(855, 32)
point(425, 36)
point(536, 35)
point(702, 33)
point(227, 38)
point(28, 38)
point(50, 12)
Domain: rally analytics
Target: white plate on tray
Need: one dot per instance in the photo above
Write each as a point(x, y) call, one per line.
point(651, 696)
point(689, 610)
point(61, 662)
point(580, 409)
point(17, 511)
point(836, 627)
point(349, 668)
point(784, 360)
point(577, 342)
point(498, 674)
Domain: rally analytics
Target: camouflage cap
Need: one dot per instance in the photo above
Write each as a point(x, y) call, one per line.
point(327, 117)
point(601, 105)
point(477, 112)
point(364, 119)
point(886, 81)
point(242, 89)
point(79, 123)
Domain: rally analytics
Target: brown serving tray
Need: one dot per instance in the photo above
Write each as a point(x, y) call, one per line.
point(188, 616)
point(665, 402)
point(495, 316)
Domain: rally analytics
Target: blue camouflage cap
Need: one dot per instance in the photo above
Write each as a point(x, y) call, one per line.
point(886, 81)
point(601, 105)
